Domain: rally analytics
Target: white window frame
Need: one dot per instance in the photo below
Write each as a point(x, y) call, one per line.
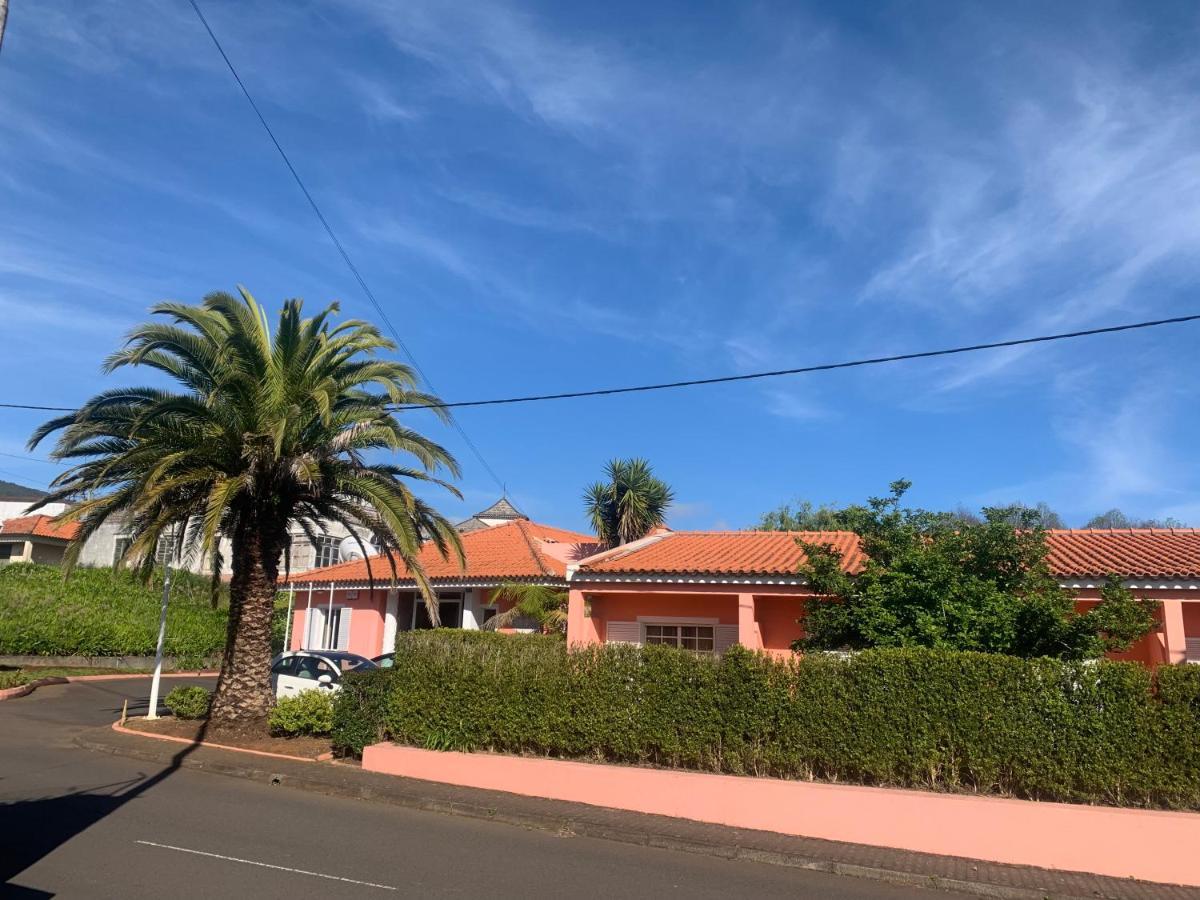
point(343, 613)
point(126, 539)
point(328, 545)
point(418, 600)
point(680, 622)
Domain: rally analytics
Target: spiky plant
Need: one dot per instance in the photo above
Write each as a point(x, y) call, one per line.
point(630, 504)
point(264, 431)
point(545, 606)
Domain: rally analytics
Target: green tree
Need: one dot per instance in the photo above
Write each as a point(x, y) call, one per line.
point(630, 504)
point(1115, 518)
point(933, 580)
point(544, 606)
point(803, 516)
point(265, 431)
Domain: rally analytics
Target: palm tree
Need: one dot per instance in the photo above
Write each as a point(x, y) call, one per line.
point(546, 606)
point(630, 504)
point(265, 432)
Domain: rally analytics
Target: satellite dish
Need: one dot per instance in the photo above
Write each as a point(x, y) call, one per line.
point(348, 549)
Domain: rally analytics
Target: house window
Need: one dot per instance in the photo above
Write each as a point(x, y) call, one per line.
point(328, 629)
point(687, 637)
point(449, 611)
point(121, 547)
point(6, 550)
point(325, 551)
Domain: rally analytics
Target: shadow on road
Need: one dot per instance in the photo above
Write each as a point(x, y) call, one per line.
point(32, 829)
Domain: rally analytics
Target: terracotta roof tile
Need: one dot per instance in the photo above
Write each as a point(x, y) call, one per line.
point(723, 553)
point(517, 549)
point(39, 526)
point(1131, 552)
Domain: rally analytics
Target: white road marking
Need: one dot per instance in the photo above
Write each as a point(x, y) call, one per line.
point(251, 862)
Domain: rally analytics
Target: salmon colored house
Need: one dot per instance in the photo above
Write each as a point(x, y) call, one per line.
point(706, 590)
point(357, 606)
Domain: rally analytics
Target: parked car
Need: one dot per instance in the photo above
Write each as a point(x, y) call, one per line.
point(387, 661)
point(306, 670)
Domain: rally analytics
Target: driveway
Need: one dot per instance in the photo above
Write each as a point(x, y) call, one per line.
point(75, 823)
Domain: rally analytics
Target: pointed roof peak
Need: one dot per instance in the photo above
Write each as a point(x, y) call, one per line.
point(501, 509)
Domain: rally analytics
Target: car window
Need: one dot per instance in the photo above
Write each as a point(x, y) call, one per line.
point(285, 666)
point(312, 668)
point(386, 662)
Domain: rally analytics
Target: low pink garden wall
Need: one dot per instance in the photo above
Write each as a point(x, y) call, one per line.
point(1147, 844)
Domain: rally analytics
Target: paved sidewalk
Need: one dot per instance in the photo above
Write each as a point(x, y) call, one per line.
point(894, 866)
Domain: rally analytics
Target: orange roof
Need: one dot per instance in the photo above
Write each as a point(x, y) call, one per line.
point(39, 526)
point(723, 553)
point(1131, 552)
point(519, 549)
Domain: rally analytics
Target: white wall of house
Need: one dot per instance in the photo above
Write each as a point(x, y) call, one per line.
point(100, 549)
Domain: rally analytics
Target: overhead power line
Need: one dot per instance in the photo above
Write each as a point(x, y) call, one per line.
point(824, 367)
point(341, 249)
point(725, 379)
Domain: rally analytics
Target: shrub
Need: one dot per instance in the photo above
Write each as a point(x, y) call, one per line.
point(188, 702)
point(309, 712)
point(1108, 732)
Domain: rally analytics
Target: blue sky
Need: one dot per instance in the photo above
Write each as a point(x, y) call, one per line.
point(554, 197)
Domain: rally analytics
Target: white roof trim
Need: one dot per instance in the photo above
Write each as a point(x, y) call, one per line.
point(679, 578)
point(1143, 584)
point(299, 583)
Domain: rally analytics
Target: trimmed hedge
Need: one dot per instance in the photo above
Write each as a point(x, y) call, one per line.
point(1107, 732)
point(102, 612)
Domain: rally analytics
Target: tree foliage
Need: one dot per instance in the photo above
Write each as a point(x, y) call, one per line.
point(265, 431)
point(1115, 518)
point(629, 504)
point(932, 580)
point(545, 607)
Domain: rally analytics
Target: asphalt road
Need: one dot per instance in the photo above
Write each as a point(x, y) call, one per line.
point(75, 823)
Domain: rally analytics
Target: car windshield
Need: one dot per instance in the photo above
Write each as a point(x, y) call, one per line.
point(349, 661)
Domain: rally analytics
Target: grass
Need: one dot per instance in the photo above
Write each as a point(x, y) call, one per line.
point(12, 676)
point(102, 612)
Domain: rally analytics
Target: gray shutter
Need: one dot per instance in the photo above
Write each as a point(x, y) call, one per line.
point(624, 633)
point(1192, 646)
point(724, 637)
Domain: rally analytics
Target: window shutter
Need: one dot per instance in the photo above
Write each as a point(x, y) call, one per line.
point(724, 637)
point(1192, 646)
point(343, 635)
point(314, 628)
point(624, 633)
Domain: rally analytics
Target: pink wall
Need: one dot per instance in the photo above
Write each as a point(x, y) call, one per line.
point(627, 607)
point(1123, 843)
point(366, 620)
point(777, 621)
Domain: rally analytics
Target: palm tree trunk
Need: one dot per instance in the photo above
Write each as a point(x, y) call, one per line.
point(244, 687)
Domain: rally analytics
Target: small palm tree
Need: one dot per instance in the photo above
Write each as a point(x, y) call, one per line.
point(545, 606)
point(630, 504)
point(266, 432)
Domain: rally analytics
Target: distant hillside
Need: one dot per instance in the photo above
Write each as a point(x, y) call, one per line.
point(10, 491)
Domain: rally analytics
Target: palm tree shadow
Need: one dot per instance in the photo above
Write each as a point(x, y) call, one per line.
point(30, 830)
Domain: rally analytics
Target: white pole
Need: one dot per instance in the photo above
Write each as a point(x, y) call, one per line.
point(329, 620)
point(287, 626)
point(307, 619)
point(162, 637)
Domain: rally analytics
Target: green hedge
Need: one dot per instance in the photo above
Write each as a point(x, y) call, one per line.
point(1107, 732)
point(102, 612)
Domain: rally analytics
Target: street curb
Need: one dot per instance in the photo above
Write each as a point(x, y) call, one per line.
point(121, 729)
point(413, 794)
point(29, 687)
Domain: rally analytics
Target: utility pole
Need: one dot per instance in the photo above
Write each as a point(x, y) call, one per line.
point(152, 713)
